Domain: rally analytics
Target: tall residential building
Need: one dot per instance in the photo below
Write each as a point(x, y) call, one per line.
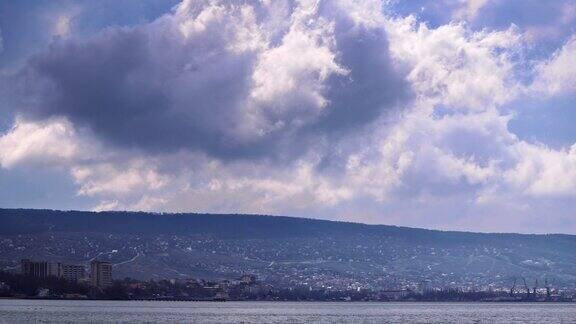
point(72, 272)
point(38, 269)
point(101, 273)
point(43, 269)
point(33, 268)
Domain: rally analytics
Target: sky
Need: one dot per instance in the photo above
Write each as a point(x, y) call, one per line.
point(443, 114)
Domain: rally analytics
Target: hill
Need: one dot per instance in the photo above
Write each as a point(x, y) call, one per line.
point(285, 251)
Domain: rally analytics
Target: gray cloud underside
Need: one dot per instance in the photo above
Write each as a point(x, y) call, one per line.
point(151, 88)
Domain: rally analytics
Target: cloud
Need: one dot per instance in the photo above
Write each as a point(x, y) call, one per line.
point(320, 109)
point(63, 26)
point(539, 19)
point(118, 179)
point(48, 143)
point(542, 171)
point(454, 66)
point(98, 172)
point(542, 22)
point(557, 75)
point(220, 78)
point(30, 26)
point(469, 10)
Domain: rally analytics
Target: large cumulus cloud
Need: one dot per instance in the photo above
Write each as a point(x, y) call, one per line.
point(230, 79)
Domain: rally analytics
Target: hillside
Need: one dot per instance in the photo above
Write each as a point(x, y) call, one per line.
point(284, 250)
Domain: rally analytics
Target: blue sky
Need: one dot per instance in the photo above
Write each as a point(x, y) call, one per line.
point(439, 114)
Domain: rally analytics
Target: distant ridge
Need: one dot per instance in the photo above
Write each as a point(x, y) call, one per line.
point(21, 220)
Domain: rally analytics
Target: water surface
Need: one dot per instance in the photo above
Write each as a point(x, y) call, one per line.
point(60, 311)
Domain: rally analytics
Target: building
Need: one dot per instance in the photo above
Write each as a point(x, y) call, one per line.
point(101, 274)
point(43, 269)
point(72, 272)
point(33, 269)
point(38, 269)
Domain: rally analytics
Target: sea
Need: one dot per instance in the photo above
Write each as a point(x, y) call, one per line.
point(68, 311)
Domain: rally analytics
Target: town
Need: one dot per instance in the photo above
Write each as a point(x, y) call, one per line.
point(205, 257)
point(55, 280)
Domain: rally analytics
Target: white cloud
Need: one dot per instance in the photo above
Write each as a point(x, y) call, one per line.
point(541, 171)
point(63, 26)
point(101, 173)
point(454, 66)
point(46, 143)
point(107, 205)
point(118, 180)
point(558, 74)
point(469, 9)
point(280, 75)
